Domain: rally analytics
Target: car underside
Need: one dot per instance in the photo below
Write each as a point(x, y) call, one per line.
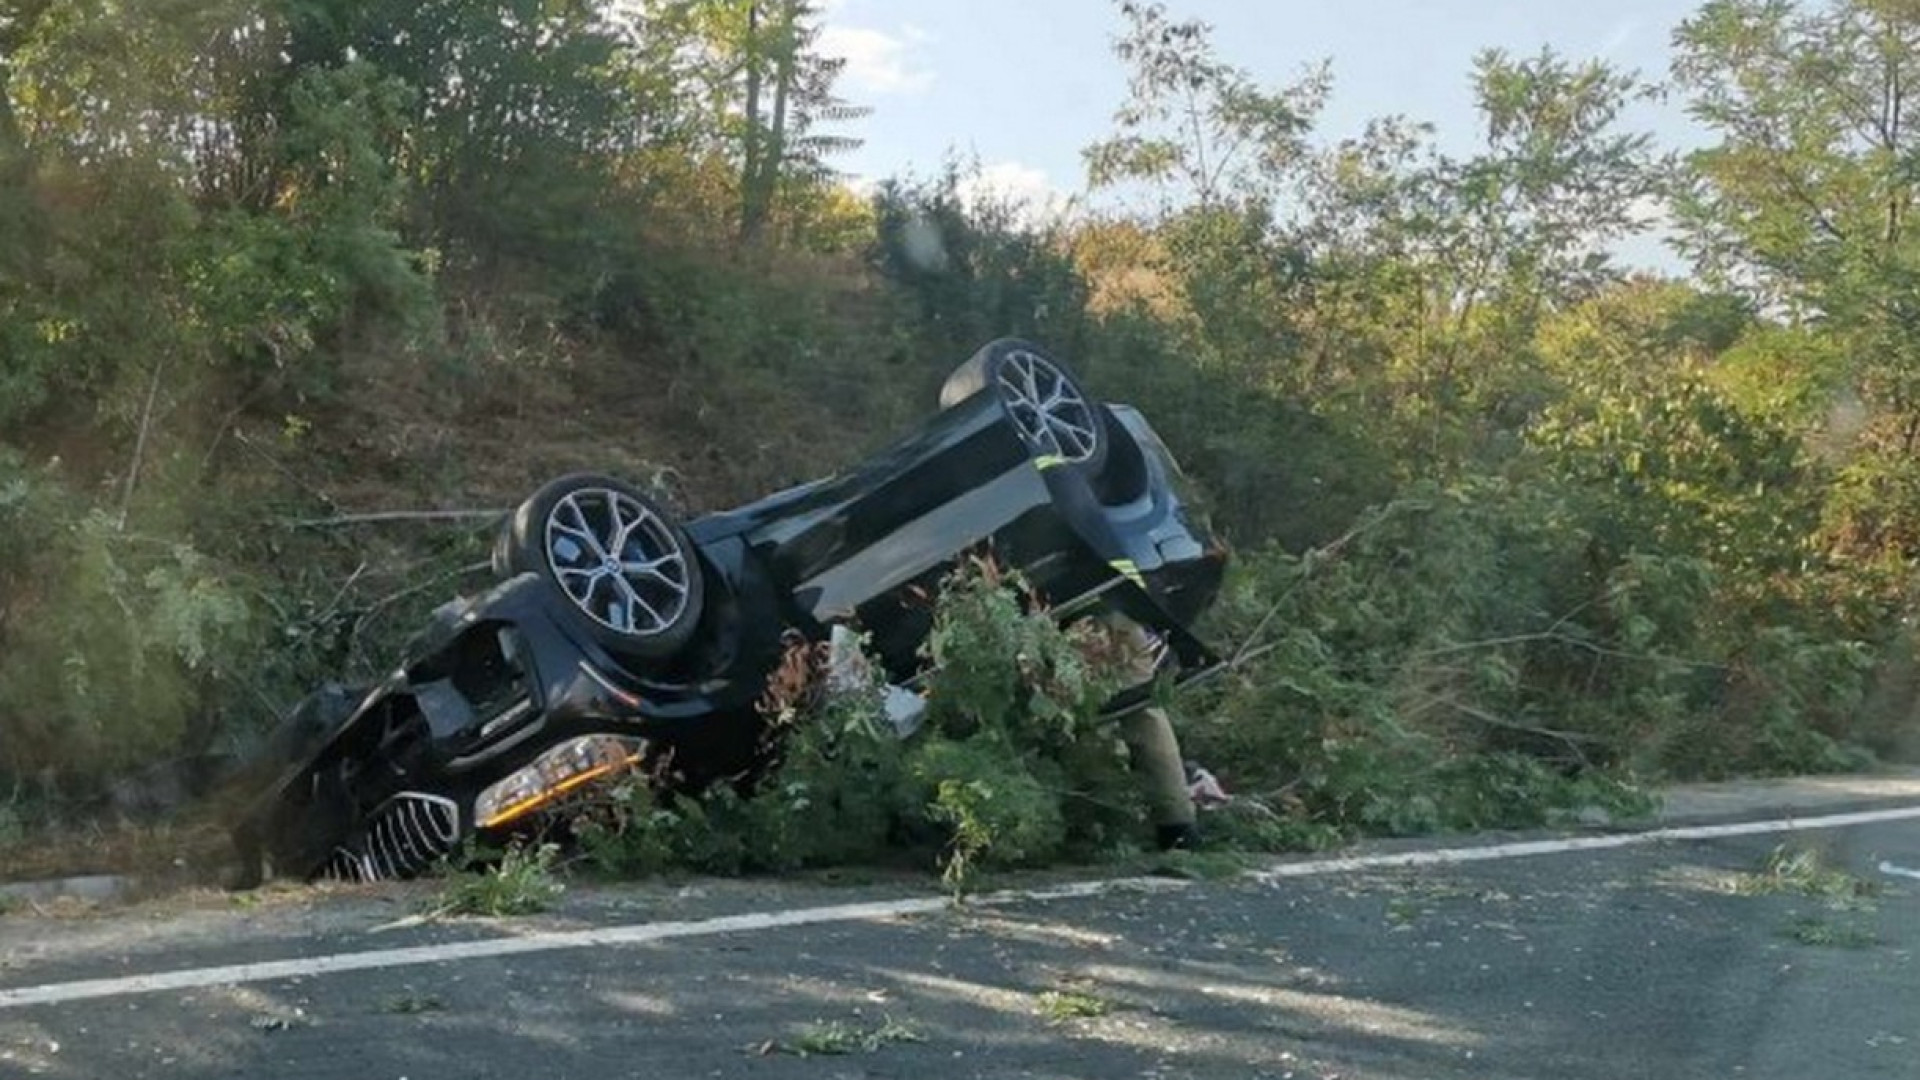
point(615, 637)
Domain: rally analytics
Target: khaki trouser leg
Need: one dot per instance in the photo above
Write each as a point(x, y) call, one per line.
point(1154, 750)
point(1155, 754)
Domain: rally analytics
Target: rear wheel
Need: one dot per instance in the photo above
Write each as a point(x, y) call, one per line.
point(624, 568)
point(1055, 416)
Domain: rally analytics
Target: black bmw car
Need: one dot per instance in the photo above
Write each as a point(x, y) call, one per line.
point(616, 635)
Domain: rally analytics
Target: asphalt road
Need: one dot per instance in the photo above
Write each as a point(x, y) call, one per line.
point(1658, 960)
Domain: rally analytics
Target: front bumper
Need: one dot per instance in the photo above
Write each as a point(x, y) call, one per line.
point(430, 756)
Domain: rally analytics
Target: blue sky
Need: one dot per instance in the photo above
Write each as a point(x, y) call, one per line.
point(1023, 85)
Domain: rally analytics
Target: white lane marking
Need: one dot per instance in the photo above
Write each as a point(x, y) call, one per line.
point(1898, 871)
point(1525, 848)
point(634, 934)
point(643, 933)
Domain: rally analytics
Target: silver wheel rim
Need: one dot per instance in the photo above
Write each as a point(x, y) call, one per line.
point(1046, 406)
point(617, 561)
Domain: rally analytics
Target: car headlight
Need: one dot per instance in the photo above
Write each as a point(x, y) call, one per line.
point(553, 774)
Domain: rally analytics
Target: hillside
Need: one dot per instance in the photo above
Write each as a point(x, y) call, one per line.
point(1513, 528)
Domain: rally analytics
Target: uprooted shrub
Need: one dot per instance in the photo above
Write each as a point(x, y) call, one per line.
point(1013, 766)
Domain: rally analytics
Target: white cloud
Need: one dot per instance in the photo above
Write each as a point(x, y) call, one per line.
point(1028, 190)
point(879, 62)
point(1650, 212)
point(1648, 249)
point(1621, 33)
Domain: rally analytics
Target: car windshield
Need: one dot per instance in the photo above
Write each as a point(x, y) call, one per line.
point(1114, 538)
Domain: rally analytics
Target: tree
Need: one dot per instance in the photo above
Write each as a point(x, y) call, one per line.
point(1806, 195)
point(1428, 275)
point(513, 109)
point(1557, 182)
point(1638, 422)
point(21, 380)
point(1194, 127)
point(784, 146)
point(1523, 225)
point(766, 94)
point(1804, 202)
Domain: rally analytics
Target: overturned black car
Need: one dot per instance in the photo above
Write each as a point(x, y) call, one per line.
point(616, 635)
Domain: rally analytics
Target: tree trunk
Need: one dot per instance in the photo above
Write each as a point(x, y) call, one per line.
point(16, 179)
point(773, 156)
point(750, 164)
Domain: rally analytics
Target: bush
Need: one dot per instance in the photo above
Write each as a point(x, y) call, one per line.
point(1471, 657)
point(971, 273)
point(521, 883)
point(108, 638)
point(1014, 767)
point(998, 809)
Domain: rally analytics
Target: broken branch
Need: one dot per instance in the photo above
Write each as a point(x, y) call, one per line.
point(377, 517)
point(1308, 563)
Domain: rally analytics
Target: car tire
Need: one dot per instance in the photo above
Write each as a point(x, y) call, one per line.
point(1054, 414)
point(642, 600)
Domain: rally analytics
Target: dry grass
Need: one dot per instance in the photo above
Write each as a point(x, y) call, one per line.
point(180, 853)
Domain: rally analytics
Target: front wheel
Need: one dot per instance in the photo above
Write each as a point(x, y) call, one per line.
point(627, 572)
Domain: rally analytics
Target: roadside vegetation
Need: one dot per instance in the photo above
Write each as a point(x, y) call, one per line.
point(831, 1038)
point(520, 882)
point(1843, 904)
point(1516, 531)
point(1062, 1006)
